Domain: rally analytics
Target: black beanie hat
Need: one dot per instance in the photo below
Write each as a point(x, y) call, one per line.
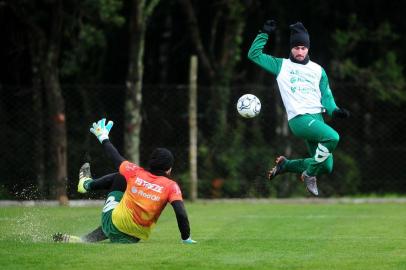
point(299, 35)
point(161, 159)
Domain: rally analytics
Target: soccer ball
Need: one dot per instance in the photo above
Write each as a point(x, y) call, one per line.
point(248, 106)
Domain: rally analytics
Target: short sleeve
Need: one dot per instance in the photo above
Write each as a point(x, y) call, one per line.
point(128, 169)
point(175, 194)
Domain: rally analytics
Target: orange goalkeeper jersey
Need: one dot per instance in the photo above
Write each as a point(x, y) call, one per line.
point(143, 201)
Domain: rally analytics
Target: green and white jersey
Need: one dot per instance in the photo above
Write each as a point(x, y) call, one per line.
point(304, 88)
point(299, 88)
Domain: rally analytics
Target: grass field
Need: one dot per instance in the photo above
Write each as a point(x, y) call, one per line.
point(230, 235)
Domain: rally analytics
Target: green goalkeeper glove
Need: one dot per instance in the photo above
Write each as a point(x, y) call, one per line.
point(101, 130)
point(189, 241)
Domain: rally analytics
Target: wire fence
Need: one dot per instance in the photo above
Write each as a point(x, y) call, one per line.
point(370, 157)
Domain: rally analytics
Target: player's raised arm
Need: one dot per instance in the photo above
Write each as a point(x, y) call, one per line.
point(255, 54)
point(101, 131)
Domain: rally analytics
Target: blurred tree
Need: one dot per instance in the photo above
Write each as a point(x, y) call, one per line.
point(219, 50)
point(374, 70)
point(44, 31)
point(88, 29)
point(366, 65)
point(86, 26)
point(76, 48)
point(141, 10)
point(51, 27)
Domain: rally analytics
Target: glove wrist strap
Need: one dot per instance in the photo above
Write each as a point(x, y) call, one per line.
point(103, 137)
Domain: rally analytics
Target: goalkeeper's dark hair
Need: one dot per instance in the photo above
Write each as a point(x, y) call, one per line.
point(160, 161)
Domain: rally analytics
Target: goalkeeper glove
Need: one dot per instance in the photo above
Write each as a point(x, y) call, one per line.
point(101, 130)
point(189, 241)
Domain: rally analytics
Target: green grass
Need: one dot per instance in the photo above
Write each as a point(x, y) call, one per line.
point(230, 235)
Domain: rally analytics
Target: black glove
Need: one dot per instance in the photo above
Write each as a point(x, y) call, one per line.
point(341, 113)
point(269, 27)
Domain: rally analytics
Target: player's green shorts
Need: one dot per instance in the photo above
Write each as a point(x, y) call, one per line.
point(115, 236)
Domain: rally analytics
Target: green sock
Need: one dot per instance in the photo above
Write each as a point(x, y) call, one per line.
point(86, 184)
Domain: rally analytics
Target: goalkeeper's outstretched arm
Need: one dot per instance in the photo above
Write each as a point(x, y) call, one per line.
point(113, 153)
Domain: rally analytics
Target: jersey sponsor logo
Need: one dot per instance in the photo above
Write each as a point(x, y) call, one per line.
point(302, 81)
point(148, 185)
point(152, 197)
point(303, 73)
point(295, 79)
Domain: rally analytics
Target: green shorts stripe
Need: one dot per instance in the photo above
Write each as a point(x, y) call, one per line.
point(115, 236)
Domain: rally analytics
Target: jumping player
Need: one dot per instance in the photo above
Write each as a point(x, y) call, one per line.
point(136, 196)
point(306, 94)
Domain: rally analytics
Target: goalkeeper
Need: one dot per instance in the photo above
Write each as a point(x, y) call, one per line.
point(136, 196)
point(306, 94)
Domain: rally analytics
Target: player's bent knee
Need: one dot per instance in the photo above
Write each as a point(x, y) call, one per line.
point(337, 137)
point(334, 139)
